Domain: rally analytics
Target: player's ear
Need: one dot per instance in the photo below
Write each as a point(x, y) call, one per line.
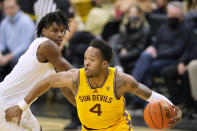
point(43, 32)
point(105, 64)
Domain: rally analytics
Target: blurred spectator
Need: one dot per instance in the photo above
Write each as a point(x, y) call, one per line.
point(161, 7)
point(191, 5)
point(192, 69)
point(170, 43)
point(1, 10)
point(176, 76)
point(82, 7)
point(16, 33)
point(132, 39)
point(156, 21)
point(98, 16)
point(111, 28)
point(191, 16)
point(157, 17)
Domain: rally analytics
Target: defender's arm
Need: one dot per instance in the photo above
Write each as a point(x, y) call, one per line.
point(63, 79)
point(59, 80)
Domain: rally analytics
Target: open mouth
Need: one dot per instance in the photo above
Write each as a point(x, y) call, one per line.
point(86, 70)
point(58, 42)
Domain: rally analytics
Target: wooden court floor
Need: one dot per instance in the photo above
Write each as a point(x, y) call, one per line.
point(57, 124)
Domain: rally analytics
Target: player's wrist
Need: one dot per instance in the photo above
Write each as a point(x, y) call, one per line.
point(155, 96)
point(23, 105)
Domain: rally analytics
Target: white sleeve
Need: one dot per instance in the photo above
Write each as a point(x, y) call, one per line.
point(156, 96)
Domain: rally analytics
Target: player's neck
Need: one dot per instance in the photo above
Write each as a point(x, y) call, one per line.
point(98, 81)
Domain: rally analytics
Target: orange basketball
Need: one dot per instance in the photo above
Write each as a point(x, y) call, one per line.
point(158, 114)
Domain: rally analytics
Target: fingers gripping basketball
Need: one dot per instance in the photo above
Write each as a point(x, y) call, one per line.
point(158, 114)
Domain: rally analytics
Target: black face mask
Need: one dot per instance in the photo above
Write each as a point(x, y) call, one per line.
point(130, 29)
point(173, 22)
point(134, 19)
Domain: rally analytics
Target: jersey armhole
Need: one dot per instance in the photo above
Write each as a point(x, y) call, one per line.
point(78, 83)
point(34, 53)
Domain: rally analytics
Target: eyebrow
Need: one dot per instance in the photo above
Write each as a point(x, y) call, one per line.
point(92, 55)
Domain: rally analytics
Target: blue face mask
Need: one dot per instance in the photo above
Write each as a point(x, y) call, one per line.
point(134, 19)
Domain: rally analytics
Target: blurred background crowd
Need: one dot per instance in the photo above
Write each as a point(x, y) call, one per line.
point(153, 40)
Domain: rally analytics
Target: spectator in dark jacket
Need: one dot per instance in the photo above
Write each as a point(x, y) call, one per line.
point(176, 76)
point(171, 41)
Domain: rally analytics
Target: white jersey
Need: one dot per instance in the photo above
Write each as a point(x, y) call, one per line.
point(27, 72)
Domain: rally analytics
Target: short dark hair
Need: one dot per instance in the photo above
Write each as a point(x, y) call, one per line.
point(58, 17)
point(104, 47)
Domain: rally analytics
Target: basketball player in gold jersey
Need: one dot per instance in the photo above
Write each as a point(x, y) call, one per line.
point(98, 90)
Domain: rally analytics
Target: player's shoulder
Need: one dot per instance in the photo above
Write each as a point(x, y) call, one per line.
point(48, 46)
point(122, 77)
point(48, 43)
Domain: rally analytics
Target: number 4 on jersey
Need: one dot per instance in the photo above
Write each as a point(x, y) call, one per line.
point(96, 109)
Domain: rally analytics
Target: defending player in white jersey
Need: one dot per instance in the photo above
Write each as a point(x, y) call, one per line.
point(35, 64)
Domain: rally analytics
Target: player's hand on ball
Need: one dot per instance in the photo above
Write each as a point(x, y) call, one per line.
point(13, 114)
point(177, 118)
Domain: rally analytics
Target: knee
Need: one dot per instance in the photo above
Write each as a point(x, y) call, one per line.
point(145, 55)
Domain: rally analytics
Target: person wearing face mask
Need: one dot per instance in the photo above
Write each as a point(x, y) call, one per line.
point(179, 79)
point(171, 40)
point(132, 37)
point(131, 40)
point(173, 22)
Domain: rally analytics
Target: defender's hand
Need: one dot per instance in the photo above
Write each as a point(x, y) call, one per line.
point(13, 114)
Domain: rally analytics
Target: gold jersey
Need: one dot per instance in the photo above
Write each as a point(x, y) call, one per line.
point(99, 108)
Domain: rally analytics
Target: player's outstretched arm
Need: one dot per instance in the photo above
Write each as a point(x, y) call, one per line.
point(126, 83)
point(59, 80)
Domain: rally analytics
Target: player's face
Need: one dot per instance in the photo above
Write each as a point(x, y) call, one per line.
point(93, 62)
point(55, 33)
